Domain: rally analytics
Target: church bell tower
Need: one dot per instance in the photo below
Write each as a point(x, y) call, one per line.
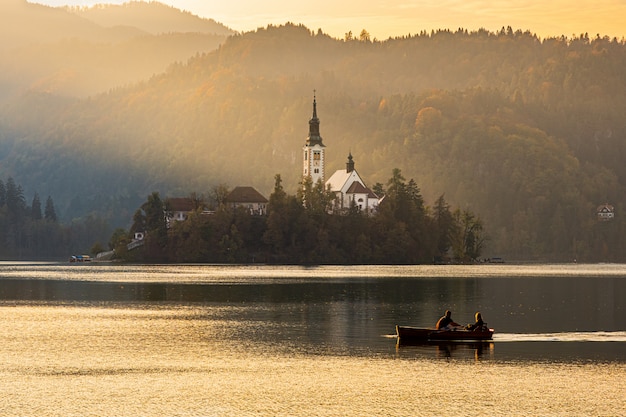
point(313, 158)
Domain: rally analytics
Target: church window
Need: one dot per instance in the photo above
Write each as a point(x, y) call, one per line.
point(316, 156)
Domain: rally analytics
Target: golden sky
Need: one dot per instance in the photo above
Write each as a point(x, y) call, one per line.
point(389, 18)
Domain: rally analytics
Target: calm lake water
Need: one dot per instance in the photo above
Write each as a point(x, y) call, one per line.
point(204, 340)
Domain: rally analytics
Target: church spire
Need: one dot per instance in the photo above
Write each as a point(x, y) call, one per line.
point(313, 153)
point(350, 163)
point(314, 126)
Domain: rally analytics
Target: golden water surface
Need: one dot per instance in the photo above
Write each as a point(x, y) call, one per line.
point(120, 360)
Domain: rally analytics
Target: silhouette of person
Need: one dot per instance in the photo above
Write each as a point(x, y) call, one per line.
point(446, 322)
point(478, 324)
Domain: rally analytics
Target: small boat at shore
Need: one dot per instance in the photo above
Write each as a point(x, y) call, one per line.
point(79, 258)
point(459, 334)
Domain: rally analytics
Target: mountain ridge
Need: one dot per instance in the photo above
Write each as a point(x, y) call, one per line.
point(72, 52)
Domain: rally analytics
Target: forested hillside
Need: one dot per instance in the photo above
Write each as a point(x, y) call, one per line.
point(527, 133)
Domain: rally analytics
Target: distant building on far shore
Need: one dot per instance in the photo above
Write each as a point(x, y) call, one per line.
point(248, 198)
point(605, 212)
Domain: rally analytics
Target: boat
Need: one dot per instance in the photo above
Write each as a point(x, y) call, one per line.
point(457, 334)
point(80, 258)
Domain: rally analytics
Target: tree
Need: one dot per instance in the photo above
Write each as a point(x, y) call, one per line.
point(3, 194)
point(193, 240)
point(315, 198)
point(276, 222)
point(218, 195)
point(35, 208)
point(139, 222)
point(156, 227)
point(445, 227)
point(154, 212)
point(118, 236)
point(49, 212)
point(469, 242)
point(119, 243)
point(286, 225)
point(279, 195)
point(96, 249)
point(231, 245)
point(15, 198)
point(379, 190)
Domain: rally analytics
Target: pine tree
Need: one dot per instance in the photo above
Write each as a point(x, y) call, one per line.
point(35, 208)
point(156, 227)
point(3, 194)
point(15, 198)
point(49, 212)
point(445, 226)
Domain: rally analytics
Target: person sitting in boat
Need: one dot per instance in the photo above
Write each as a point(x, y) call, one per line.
point(446, 322)
point(478, 325)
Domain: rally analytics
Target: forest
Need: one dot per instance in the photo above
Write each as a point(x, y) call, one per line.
point(33, 232)
point(300, 229)
point(526, 133)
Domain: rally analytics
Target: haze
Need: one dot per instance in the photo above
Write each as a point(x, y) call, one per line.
point(390, 18)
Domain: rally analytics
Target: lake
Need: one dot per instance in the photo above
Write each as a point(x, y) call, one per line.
point(215, 340)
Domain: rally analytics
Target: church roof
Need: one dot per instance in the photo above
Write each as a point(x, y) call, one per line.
point(338, 179)
point(180, 204)
point(605, 207)
point(245, 195)
point(358, 188)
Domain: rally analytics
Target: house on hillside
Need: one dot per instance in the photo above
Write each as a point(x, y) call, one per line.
point(178, 209)
point(248, 198)
point(605, 212)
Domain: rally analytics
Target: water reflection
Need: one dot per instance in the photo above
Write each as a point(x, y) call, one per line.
point(446, 350)
point(348, 311)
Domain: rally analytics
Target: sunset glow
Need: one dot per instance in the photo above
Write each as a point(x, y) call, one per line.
point(390, 18)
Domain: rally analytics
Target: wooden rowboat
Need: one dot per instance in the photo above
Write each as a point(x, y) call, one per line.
point(421, 334)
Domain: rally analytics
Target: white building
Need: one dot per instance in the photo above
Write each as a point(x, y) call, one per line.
point(350, 189)
point(347, 184)
point(605, 212)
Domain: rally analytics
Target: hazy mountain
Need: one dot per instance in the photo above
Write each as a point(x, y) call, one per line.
point(527, 133)
point(153, 17)
point(26, 23)
point(81, 52)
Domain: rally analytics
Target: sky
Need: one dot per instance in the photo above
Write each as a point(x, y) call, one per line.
point(390, 18)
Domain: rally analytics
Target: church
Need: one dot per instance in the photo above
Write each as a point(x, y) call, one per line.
point(347, 185)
